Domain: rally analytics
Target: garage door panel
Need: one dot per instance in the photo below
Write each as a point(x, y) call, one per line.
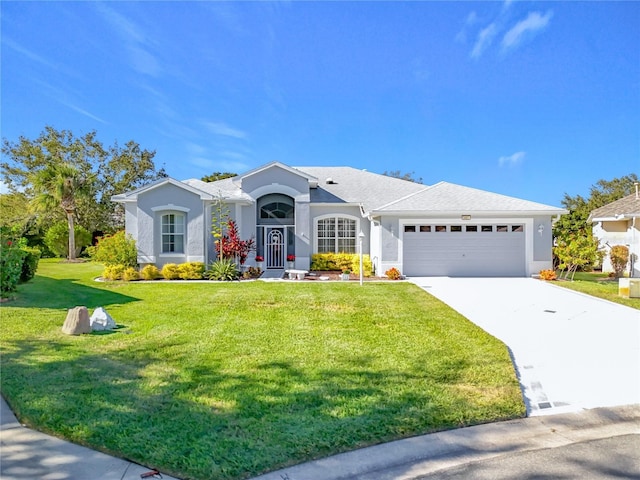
point(463, 253)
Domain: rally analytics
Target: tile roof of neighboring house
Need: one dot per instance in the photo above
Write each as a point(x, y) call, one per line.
point(628, 206)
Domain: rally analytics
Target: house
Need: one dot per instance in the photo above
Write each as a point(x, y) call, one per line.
point(618, 223)
point(432, 230)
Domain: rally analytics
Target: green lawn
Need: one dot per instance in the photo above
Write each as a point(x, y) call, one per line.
point(229, 380)
point(599, 285)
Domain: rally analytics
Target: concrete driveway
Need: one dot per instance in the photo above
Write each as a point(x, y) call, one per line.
point(571, 351)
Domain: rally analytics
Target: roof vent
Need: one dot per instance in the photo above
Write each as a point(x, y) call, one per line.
point(329, 181)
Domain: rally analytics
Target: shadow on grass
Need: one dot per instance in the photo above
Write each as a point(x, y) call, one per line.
point(47, 292)
point(208, 421)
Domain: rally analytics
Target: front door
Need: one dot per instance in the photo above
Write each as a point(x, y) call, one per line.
point(275, 243)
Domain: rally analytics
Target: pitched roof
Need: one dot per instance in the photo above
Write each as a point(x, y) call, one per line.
point(360, 187)
point(132, 196)
point(444, 197)
point(628, 206)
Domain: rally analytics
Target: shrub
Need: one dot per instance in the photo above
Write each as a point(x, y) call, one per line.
point(151, 272)
point(57, 239)
point(30, 263)
point(130, 274)
point(113, 272)
point(171, 271)
point(191, 270)
point(619, 256)
point(252, 272)
point(341, 262)
point(548, 275)
point(116, 249)
point(224, 270)
point(393, 274)
point(11, 261)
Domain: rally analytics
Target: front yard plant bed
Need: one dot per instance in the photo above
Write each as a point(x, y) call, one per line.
point(230, 380)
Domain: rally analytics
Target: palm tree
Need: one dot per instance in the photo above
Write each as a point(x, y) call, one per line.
point(59, 185)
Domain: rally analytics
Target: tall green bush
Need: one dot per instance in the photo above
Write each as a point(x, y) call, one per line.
point(57, 239)
point(11, 259)
point(116, 249)
point(29, 263)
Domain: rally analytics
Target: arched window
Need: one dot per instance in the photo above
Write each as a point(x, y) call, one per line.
point(173, 233)
point(276, 208)
point(336, 234)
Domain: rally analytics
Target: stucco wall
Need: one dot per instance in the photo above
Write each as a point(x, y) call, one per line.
point(165, 199)
point(275, 176)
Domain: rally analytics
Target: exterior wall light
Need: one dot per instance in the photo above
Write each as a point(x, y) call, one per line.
point(540, 229)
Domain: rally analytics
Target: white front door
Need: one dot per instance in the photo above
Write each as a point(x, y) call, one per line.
point(275, 243)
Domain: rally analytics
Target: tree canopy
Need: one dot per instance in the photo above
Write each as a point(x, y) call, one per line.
point(218, 176)
point(29, 167)
point(409, 176)
point(575, 245)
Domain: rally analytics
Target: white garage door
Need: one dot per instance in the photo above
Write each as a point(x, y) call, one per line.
point(483, 250)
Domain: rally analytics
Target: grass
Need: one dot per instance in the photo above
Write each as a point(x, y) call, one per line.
point(230, 380)
point(599, 285)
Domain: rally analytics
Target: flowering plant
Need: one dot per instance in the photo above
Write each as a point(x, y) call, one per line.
point(291, 258)
point(259, 258)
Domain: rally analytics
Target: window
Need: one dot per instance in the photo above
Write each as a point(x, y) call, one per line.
point(409, 228)
point(441, 228)
point(486, 228)
point(425, 228)
point(336, 234)
point(173, 233)
point(471, 228)
point(456, 228)
point(517, 228)
point(502, 228)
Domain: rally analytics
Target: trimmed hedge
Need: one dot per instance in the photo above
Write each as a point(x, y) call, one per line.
point(341, 262)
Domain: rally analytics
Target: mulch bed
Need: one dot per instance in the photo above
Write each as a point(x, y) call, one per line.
point(336, 276)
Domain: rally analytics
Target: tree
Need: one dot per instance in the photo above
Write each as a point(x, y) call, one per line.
point(215, 176)
point(575, 226)
point(58, 185)
point(106, 172)
point(403, 176)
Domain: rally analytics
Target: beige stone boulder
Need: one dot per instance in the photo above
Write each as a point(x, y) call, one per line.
point(77, 321)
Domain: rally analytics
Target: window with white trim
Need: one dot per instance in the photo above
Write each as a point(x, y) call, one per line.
point(337, 235)
point(173, 233)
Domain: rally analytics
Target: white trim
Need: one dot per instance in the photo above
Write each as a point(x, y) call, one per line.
point(332, 215)
point(278, 188)
point(146, 259)
point(170, 206)
point(184, 232)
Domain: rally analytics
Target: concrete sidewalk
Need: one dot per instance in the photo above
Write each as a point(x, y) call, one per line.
point(27, 454)
point(419, 456)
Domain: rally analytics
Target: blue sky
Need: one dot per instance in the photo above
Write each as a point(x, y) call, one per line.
point(529, 99)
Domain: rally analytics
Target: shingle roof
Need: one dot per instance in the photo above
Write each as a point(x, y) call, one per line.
point(351, 185)
point(626, 206)
point(449, 197)
point(383, 194)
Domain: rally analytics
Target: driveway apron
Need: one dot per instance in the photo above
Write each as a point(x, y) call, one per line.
point(571, 351)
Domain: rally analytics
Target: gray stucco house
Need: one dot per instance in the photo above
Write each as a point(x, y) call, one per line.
point(431, 230)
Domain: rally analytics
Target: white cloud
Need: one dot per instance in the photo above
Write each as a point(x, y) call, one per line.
point(136, 42)
point(471, 19)
point(219, 128)
point(534, 23)
point(512, 160)
point(484, 40)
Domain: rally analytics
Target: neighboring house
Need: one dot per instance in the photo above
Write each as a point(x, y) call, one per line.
point(438, 230)
point(618, 223)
